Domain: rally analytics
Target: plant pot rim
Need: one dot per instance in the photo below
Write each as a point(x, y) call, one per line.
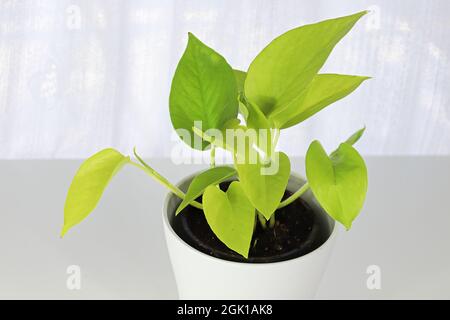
point(166, 222)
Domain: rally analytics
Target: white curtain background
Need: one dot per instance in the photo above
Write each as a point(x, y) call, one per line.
point(77, 76)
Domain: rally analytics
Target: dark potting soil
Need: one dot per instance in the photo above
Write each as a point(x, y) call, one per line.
point(298, 230)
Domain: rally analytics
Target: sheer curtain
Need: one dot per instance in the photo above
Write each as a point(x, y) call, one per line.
point(76, 76)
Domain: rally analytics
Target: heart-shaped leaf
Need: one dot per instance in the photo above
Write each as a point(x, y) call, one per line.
point(88, 185)
point(339, 182)
point(265, 184)
point(231, 216)
point(209, 177)
point(203, 89)
point(282, 71)
point(323, 91)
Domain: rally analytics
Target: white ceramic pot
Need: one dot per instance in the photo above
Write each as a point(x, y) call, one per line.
point(200, 276)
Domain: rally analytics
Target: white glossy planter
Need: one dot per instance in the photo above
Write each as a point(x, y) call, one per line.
point(200, 276)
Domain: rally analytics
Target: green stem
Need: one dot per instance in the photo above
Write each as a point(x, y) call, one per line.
point(159, 178)
point(213, 156)
point(276, 136)
point(294, 196)
point(262, 220)
point(272, 221)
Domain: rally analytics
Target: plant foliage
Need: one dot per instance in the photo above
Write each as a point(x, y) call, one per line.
point(281, 88)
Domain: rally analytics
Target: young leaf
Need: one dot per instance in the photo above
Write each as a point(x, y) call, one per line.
point(88, 185)
point(256, 119)
point(356, 136)
point(265, 191)
point(283, 70)
point(203, 89)
point(240, 79)
point(323, 90)
point(231, 216)
point(243, 110)
point(338, 182)
point(209, 177)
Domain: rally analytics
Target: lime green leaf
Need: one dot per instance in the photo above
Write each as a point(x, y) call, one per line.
point(253, 116)
point(265, 185)
point(356, 136)
point(338, 182)
point(240, 79)
point(88, 185)
point(203, 89)
point(209, 177)
point(256, 119)
point(282, 71)
point(243, 110)
point(323, 90)
point(231, 216)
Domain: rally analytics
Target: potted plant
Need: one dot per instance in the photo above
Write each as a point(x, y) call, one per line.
point(252, 229)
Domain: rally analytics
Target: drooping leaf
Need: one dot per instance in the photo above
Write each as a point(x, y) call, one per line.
point(203, 89)
point(212, 176)
point(231, 216)
point(88, 185)
point(323, 90)
point(265, 184)
point(282, 71)
point(338, 182)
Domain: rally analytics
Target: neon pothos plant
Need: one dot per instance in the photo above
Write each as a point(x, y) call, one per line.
point(281, 88)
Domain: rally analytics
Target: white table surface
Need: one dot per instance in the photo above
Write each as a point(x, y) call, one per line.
point(404, 229)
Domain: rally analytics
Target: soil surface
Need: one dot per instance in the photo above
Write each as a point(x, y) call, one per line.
point(298, 230)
